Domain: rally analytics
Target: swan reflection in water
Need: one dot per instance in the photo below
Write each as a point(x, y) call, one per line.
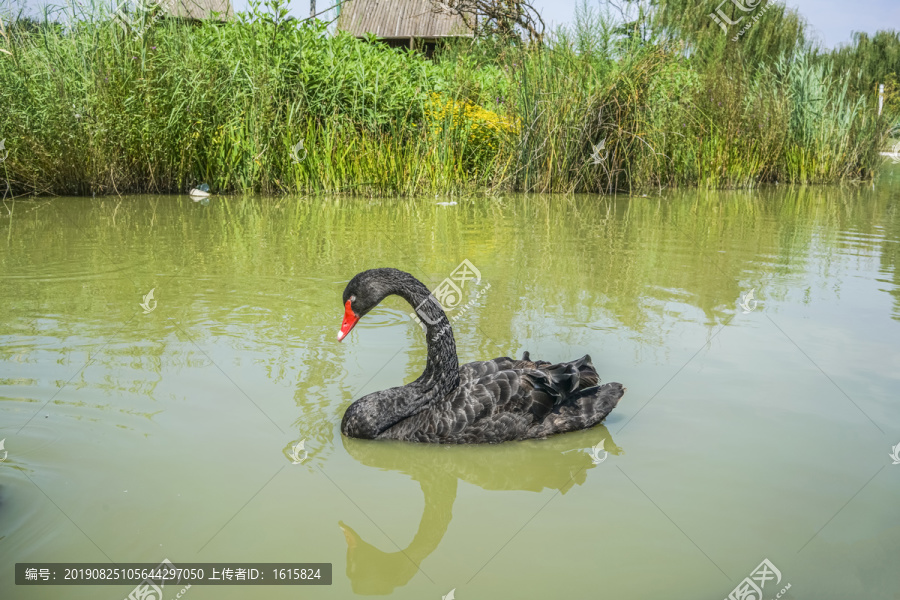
point(557, 463)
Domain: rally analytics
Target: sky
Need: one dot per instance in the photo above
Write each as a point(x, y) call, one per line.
point(833, 21)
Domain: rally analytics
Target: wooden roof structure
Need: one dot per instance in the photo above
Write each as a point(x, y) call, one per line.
point(399, 19)
point(198, 9)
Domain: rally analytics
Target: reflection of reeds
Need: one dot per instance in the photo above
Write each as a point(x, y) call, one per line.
point(265, 277)
point(91, 109)
point(702, 248)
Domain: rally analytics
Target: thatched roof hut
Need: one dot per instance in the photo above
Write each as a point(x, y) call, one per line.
point(400, 22)
point(195, 10)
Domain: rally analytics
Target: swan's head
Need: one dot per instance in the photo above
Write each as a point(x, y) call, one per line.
point(365, 291)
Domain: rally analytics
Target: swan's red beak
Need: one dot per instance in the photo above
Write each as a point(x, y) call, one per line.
point(350, 320)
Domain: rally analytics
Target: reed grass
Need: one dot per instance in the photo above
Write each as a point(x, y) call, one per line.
point(93, 108)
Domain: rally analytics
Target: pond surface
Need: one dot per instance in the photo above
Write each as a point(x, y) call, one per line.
point(753, 427)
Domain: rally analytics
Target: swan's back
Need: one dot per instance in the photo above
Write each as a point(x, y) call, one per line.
point(506, 399)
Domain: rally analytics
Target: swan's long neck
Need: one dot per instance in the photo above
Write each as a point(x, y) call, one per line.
point(371, 415)
point(441, 373)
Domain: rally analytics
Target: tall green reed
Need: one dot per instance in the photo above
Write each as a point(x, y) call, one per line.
point(92, 107)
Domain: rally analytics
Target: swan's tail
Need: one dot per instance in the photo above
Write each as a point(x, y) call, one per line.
point(582, 409)
point(587, 374)
point(571, 376)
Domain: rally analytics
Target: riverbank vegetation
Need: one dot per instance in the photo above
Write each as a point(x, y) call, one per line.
point(612, 103)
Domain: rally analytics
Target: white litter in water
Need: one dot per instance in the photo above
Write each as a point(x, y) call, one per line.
point(201, 191)
point(446, 203)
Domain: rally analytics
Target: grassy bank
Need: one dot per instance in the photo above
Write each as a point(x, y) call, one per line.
point(94, 108)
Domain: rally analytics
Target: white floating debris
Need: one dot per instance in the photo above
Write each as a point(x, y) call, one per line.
point(446, 203)
point(201, 191)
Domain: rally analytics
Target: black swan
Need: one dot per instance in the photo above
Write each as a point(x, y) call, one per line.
point(481, 402)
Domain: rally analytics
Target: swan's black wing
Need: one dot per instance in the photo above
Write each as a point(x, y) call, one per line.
point(470, 372)
point(503, 400)
point(497, 407)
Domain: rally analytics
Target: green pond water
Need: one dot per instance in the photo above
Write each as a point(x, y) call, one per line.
point(753, 427)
